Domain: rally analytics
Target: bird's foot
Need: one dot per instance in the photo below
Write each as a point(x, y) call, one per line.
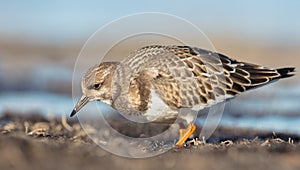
point(185, 134)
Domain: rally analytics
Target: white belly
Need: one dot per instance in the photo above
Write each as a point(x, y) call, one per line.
point(158, 110)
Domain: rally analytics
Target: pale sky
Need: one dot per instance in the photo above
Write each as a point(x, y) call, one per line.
point(64, 21)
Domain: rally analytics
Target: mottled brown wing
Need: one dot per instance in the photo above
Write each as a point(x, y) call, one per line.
point(181, 76)
point(185, 77)
point(218, 75)
point(199, 74)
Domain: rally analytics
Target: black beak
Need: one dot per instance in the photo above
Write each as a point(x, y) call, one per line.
point(81, 102)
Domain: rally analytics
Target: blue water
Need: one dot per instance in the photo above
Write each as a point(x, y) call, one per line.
point(268, 100)
point(276, 123)
point(41, 102)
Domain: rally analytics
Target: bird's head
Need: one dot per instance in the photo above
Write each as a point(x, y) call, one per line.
point(96, 85)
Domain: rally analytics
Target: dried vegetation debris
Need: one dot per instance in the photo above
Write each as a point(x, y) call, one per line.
point(37, 142)
point(36, 125)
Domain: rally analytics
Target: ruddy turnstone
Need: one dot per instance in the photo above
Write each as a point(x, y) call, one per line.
point(154, 82)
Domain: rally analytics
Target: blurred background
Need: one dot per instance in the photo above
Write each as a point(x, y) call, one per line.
point(40, 42)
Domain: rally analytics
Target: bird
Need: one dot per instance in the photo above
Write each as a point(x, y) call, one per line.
point(154, 82)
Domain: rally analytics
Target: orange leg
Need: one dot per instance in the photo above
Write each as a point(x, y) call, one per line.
point(185, 134)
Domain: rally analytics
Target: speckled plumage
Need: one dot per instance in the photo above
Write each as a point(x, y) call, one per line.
point(176, 77)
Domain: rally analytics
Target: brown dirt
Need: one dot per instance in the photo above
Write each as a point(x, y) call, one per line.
point(37, 142)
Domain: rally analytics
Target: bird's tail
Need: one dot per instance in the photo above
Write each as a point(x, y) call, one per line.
point(286, 72)
point(256, 76)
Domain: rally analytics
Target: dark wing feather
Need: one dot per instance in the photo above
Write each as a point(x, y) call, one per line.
point(247, 76)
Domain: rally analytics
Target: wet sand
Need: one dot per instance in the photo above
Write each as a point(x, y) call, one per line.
point(36, 142)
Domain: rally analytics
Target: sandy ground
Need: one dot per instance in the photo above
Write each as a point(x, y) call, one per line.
point(36, 142)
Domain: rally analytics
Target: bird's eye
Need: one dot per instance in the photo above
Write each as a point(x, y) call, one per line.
point(96, 86)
